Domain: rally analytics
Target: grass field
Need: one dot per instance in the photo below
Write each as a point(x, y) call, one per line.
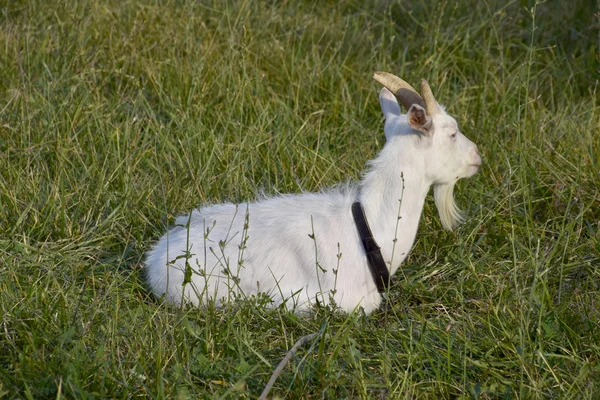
point(118, 115)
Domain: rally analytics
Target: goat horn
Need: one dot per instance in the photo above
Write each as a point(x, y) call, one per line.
point(430, 104)
point(406, 94)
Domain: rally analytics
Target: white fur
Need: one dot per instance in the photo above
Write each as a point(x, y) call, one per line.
point(304, 248)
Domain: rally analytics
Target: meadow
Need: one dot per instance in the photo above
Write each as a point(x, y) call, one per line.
point(118, 115)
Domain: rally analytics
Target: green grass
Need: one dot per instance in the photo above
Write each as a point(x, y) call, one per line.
point(117, 115)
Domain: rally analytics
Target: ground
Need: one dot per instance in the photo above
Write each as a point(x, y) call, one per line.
point(118, 115)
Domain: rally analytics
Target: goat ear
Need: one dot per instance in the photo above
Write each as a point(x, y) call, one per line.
point(391, 112)
point(418, 119)
point(389, 104)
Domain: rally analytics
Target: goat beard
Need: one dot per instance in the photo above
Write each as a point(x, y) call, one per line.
point(450, 215)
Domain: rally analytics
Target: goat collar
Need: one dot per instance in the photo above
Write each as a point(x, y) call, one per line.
point(380, 272)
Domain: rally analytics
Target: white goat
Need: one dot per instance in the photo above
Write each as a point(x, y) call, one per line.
point(303, 248)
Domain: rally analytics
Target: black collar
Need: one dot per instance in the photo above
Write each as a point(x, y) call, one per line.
point(380, 272)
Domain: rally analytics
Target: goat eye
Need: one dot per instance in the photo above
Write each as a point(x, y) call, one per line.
point(453, 136)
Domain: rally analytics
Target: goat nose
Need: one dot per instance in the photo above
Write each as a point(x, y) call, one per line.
point(476, 157)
